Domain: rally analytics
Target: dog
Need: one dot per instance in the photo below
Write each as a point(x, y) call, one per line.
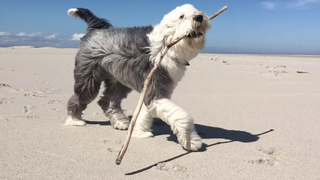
point(121, 58)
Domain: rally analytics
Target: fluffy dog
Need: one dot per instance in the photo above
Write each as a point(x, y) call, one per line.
point(121, 58)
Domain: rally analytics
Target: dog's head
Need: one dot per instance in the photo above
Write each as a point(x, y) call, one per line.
point(185, 19)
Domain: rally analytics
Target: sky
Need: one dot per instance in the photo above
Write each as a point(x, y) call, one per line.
point(248, 26)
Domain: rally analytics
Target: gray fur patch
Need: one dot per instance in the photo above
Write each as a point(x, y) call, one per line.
point(126, 59)
point(120, 58)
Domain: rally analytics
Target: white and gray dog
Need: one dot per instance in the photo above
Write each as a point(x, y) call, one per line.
point(121, 58)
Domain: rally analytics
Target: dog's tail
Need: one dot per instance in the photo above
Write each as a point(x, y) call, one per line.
point(93, 22)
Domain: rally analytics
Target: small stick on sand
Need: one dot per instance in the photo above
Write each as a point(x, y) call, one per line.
point(145, 87)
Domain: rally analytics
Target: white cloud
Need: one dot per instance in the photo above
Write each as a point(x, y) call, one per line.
point(21, 34)
point(4, 33)
point(269, 5)
point(39, 40)
point(77, 37)
point(53, 36)
point(301, 3)
point(35, 34)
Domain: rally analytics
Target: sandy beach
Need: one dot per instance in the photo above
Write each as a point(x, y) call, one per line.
point(258, 115)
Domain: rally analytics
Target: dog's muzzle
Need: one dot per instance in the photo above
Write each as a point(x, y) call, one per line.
point(194, 34)
point(198, 19)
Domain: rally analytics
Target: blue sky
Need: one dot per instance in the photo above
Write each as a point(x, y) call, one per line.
point(248, 26)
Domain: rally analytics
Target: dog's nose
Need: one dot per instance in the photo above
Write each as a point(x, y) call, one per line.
point(198, 18)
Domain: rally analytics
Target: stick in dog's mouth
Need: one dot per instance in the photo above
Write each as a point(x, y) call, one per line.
point(147, 82)
point(194, 34)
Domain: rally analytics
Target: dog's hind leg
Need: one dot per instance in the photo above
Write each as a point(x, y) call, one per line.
point(86, 89)
point(75, 108)
point(110, 103)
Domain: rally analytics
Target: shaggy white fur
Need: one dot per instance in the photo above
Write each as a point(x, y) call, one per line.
point(181, 123)
point(72, 12)
point(184, 51)
point(142, 128)
point(72, 121)
point(171, 28)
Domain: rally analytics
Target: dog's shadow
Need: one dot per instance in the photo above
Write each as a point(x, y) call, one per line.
point(205, 132)
point(101, 123)
point(159, 127)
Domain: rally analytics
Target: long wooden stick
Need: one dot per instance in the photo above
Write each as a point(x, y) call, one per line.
point(144, 90)
point(218, 12)
point(140, 102)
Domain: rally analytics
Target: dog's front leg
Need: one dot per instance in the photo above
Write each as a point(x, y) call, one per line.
point(181, 123)
point(142, 128)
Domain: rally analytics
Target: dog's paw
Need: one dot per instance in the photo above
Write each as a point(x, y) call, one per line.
point(118, 119)
point(74, 122)
point(120, 125)
point(194, 144)
point(141, 134)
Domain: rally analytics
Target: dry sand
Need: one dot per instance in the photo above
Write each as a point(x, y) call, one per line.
point(258, 117)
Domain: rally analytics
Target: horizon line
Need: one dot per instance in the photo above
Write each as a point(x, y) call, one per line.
point(204, 51)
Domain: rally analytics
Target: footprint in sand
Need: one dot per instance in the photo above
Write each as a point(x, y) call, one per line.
point(276, 67)
point(113, 150)
point(26, 111)
point(270, 162)
point(53, 102)
point(215, 59)
point(275, 73)
point(112, 141)
point(34, 95)
point(278, 73)
point(9, 88)
point(253, 64)
point(3, 100)
point(165, 166)
point(38, 94)
point(271, 159)
point(4, 85)
point(117, 142)
point(55, 109)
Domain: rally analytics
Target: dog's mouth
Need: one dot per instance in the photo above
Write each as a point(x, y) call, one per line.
point(194, 34)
